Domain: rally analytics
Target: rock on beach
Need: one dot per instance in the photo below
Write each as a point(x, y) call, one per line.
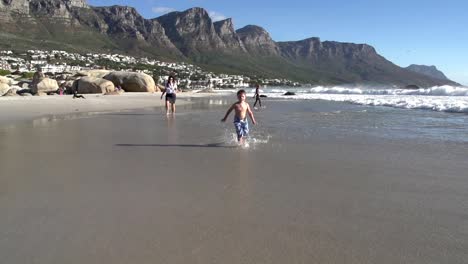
point(90, 85)
point(46, 85)
point(132, 81)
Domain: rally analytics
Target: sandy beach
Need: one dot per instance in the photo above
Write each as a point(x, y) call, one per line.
point(14, 109)
point(141, 187)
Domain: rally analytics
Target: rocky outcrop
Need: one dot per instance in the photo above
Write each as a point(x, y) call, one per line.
point(313, 50)
point(45, 86)
point(430, 71)
point(4, 88)
point(6, 80)
point(92, 85)
point(77, 3)
point(225, 30)
point(304, 49)
point(132, 81)
point(93, 73)
point(126, 22)
point(191, 31)
point(10, 7)
point(258, 41)
point(12, 92)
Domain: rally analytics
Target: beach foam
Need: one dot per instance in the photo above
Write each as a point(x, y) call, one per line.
point(441, 98)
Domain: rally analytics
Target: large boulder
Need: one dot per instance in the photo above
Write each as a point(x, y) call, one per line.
point(93, 73)
point(4, 88)
point(132, 81)
point(6, 80)
point(89, 85)
point(46, 85)
point(12, 92)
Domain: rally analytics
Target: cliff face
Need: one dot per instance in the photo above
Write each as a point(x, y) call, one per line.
point(258, 41)
point(191, 35)
point(51, 9)
point(76, 24)
point(126, 22)
point(191, 31)
point(225, 30)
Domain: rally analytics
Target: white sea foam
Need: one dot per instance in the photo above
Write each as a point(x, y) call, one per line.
point(441, 98)
point(445, 90)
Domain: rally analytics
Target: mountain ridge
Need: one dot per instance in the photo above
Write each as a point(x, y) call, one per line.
point(191, 35)
point(431, 71)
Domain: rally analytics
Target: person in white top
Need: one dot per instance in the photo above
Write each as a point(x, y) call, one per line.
point(170, 91)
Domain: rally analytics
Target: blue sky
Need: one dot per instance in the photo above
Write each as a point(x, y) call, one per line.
point(425, 32)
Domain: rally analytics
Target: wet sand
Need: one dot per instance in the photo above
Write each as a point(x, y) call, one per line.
point(139, 187)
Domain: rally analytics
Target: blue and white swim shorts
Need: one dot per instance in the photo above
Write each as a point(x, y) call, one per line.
point(242, 128)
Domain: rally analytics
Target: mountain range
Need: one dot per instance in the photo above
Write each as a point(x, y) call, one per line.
point(192, 36)
point(431, 71)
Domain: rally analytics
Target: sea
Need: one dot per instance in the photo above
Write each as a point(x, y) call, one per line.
point(427, 114)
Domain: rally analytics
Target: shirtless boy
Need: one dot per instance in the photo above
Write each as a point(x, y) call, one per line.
point(241, 109)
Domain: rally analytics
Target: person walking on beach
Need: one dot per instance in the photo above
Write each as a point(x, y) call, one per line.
point(170, 91)
point(257, 96)
point(241, 110)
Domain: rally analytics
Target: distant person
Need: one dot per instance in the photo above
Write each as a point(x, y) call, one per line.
point(241, 109)
point(61, 88)
point(38, 76)
point(170, 91)
point(257, 96)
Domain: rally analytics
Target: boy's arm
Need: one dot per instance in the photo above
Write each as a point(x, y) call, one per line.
point(227, 113)
point(163, 93)
point(249, 111)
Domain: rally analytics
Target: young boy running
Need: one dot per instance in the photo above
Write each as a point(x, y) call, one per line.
point(241, 109)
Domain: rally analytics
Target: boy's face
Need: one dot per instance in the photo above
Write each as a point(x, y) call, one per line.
point(241, 97)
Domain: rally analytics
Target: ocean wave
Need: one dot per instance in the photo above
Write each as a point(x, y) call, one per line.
point(445, 90)
point(453, 104)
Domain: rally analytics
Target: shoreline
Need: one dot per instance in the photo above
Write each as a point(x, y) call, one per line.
point(18, 109)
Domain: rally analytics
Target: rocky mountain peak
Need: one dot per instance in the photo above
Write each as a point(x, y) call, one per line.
point(77, 3)
point(252, 30)
point(226, 23)
point(257, 40)
point(225, 30)
point(120, 11)
point(196, 10)
point(16, 6)
point(192, 31)
point(48, 8)
point(431, 71)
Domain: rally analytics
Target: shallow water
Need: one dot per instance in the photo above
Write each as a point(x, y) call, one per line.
point(296, 120)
